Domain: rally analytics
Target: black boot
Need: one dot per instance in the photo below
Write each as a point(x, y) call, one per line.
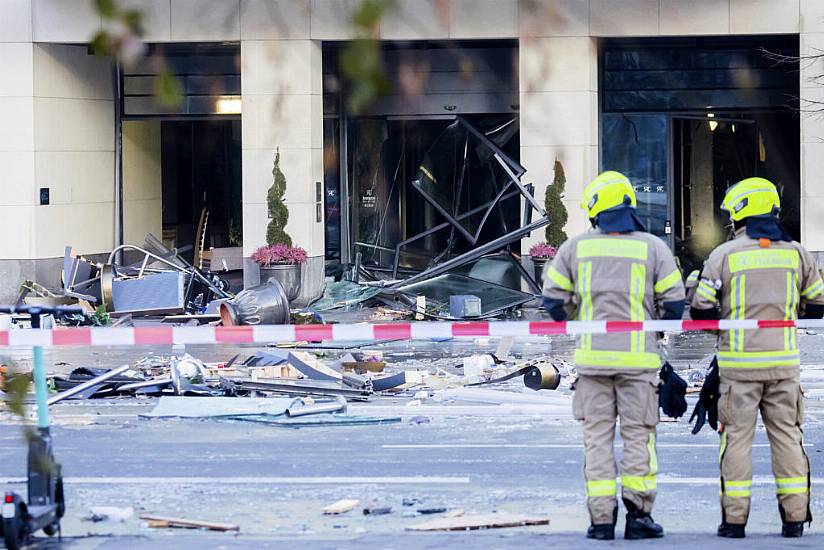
point(731, 530)
point(640, 525)
point(792, 529)
point(603, 531)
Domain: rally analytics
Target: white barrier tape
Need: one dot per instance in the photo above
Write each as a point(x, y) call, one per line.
point(427, 330)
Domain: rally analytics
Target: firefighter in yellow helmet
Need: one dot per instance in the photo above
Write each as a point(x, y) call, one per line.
point(760, 274)
point(616, 271)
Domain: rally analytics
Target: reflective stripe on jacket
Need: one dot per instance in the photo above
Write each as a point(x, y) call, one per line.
point(617, 277)
point(758, 279)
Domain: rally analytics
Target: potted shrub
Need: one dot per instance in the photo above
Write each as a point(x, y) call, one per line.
point(281, 262)
point(279, 259)
point(541, 253)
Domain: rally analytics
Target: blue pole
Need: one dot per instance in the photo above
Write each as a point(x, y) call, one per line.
point(41, 391)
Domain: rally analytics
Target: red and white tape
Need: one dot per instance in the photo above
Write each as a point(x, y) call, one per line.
point(425, 330)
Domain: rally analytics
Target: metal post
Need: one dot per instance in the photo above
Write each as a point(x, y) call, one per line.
point(119, 236)
point(41, 392)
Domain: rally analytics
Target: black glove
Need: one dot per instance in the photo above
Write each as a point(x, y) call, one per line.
point(671, 393)
point(707, 407)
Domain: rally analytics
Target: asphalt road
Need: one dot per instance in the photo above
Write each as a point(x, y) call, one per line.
point(273, 481)
point(466, 456)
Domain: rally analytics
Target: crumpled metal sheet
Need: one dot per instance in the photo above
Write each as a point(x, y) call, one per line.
point(217, 407)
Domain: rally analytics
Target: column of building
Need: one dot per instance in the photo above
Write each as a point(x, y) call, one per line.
point(812, 125)
point(282, 112)
point(558, 101)
point(17, 190)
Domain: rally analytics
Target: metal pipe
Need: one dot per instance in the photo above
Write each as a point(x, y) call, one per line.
point(339, 405)
point(88, 384)
point(145, 384)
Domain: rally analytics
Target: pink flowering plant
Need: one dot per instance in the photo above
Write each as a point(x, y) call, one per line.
point(279, 254)
point(543, 251)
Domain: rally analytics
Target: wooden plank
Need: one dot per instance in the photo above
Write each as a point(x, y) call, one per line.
point(164, 522)
point(478, 521)
point(341, 507)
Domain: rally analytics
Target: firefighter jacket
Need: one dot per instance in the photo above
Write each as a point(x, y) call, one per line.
point(748, 278)
point(615, 277)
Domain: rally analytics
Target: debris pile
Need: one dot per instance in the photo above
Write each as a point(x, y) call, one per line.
point(297, 388)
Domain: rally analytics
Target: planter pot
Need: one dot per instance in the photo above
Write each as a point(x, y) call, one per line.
point(287, 275)
point(264, 304)
point(540, 267)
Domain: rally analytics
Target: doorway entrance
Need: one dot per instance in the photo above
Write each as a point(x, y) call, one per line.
point(685, 118)
point(710, 154)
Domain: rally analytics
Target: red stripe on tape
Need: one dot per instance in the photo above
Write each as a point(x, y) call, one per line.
point(315, 333)
point(72, 336)
point(699, 325)
point(470, 329)
point(234, 335)
point(775, 323)
point(625, 326)
point(153, 335)
point(395, 331)
point(4, 338)
point(541, 328)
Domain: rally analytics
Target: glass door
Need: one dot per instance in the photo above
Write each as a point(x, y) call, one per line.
point(709, 155)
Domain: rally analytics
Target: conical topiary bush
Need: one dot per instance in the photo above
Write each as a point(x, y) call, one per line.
point(554, 204)
point(278, 212)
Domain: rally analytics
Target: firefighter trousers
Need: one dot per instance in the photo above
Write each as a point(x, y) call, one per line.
point(781, 403)
point(598, 402)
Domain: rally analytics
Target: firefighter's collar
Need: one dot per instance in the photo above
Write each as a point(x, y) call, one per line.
point(622, 219)
point(765, 227)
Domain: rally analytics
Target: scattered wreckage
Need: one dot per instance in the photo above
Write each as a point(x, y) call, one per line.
point(283, 387)
point(463, 266)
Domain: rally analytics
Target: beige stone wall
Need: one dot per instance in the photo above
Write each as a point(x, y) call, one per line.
point(812, 126)
point(142, 189)
point(73, 150)
point(280, 43)
point(282, 109)
point(17, 189)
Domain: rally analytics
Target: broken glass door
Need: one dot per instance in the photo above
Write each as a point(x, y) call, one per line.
point(427, 190)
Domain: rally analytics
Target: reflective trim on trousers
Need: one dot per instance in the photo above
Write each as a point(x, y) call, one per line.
point(792, 485)
point(736, 489)
point(602, 488)
point(653, 455)
point(640, 484)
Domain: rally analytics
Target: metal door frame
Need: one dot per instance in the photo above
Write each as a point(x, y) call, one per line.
point(671, 158)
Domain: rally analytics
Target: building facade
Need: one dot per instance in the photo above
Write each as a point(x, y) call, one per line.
point(678, 93)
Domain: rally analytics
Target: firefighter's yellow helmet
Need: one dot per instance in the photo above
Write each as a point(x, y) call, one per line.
point(751, 197)
point(608, 190)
